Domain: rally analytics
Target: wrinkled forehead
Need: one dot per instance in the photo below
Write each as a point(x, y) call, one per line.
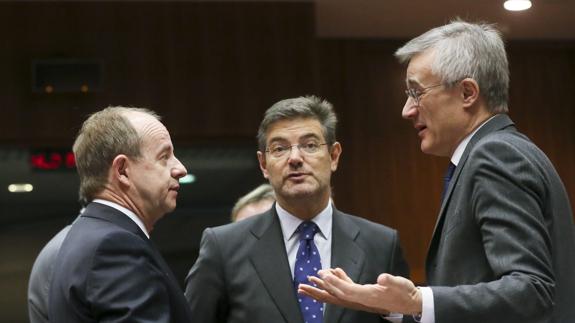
point(300, 127)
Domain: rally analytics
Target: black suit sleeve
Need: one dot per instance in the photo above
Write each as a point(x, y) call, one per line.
point(205, 285)
point(124, 284)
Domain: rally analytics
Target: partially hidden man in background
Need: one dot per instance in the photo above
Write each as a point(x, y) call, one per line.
point(257, 201)
point(503, 248)
point(108, 270)
point(248, 271)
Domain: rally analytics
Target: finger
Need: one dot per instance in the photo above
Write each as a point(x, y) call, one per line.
point(310, 291)
point(345, 290)
point(325, 297)
point(341, 274)
point(338, 284)
point(317, 282)
point(324, 271)
point(327, 285)
point(385, 279)
point(317, 293)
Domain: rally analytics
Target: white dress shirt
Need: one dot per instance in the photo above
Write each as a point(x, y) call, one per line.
point(127, 212)
point(289, 224)
point(428, 305)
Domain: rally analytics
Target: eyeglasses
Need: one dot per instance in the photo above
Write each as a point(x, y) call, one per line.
point(416, 94)
point(308, 148)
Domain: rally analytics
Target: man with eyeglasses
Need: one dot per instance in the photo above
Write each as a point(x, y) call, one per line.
point(248, 271)
point(503, 248)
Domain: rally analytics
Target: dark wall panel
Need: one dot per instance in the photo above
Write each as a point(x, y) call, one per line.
point(210, 69)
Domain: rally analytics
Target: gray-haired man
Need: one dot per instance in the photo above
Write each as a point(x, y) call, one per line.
point(503, 249)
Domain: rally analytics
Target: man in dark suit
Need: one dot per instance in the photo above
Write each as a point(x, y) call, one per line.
point(247, 271)
point(503, 248)
point(41, 278)
point(107, 269)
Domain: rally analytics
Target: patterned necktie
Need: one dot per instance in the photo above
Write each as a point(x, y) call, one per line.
point(447, 179)
point(307, 263)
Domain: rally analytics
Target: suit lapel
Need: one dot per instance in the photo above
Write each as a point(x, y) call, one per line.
point(496, 123)
point(271, 264)
point(345, 254)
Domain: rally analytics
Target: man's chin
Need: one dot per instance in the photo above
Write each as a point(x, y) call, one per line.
point(300, 190)
point(170, 207)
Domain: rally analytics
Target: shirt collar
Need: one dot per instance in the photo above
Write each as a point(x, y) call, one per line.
point(289, 223)
point(127, 212)
point(458, 153)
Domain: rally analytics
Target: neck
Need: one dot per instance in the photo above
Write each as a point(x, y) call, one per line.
point(478, 120)
point(123, 200)
point(473, 121)
point(304, 209)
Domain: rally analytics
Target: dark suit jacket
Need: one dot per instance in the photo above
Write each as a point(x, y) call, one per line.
point(242, 274)
point(503, 249)
point(109, 271)
point(41, 278)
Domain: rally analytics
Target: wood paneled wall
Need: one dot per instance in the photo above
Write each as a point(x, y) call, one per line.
point(211, 69)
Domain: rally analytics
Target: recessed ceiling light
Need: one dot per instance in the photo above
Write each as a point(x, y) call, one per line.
point(517, 5)
point(20, 188)
point(188, 179)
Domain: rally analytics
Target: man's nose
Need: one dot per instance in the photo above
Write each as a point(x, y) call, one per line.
point(179, 170)
point(409, 109)
point(295, 156)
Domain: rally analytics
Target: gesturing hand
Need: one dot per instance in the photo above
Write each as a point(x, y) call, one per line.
point(389, 294)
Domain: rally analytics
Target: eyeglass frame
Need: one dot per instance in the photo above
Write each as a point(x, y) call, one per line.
point(299, 147)
point(412, 92)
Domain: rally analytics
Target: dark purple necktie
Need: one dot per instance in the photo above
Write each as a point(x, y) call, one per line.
point(307, 263)
point(447, 179)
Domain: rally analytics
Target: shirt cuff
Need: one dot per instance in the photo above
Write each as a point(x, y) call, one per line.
point(393, 317)
point(427, 305)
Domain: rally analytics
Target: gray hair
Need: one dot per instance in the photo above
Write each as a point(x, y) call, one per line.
point(462, 50)
point(302, 107)
point(103, 136)
point(261, 193)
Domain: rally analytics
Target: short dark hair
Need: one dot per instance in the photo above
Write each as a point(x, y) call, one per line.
point(301, 107)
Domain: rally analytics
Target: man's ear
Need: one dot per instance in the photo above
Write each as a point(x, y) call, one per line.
point(263, 164)
point(470, 91)
point(335, 152)
point(120, 169)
